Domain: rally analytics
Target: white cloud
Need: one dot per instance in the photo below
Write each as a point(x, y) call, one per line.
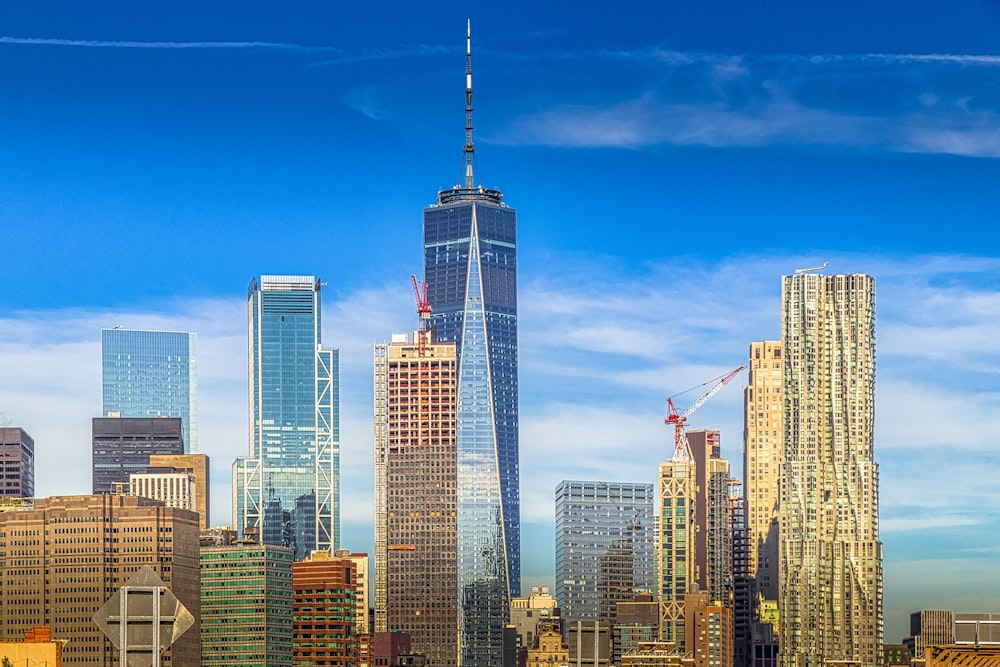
point(596, 366)
point(131, 44)
point(933, 103)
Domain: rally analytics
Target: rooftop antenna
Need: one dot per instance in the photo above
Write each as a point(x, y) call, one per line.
point(470, 149)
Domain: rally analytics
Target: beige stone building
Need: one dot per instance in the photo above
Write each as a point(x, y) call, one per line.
point(526, 613)
point(195, 464)
point(830, 556)
point(548, 650)
point(708, 626)
point(657, 654)
point(763, 457)
point(64, 557)
point(361, 613)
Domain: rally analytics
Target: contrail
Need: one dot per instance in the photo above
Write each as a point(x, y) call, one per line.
point(124, 44)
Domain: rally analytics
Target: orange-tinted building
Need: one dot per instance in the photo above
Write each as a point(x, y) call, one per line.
point(36, 649)
point(323, 611)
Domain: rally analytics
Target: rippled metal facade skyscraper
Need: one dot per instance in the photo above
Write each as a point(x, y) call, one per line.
point(470, 266)
point(830, 555)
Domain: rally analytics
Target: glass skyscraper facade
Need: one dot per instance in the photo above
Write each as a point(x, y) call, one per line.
point(470, 268)
point(151, 374)
point(604, 547)
point(287, 490)
point(246, 606)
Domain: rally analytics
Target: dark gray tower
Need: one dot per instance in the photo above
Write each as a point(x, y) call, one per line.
point(470, 266)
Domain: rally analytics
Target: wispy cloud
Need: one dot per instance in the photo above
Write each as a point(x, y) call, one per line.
point(333, 55)
point(132, 44)
point(910, 103)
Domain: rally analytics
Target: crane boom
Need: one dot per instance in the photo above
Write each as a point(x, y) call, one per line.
point(423, 312)
point(682, 451)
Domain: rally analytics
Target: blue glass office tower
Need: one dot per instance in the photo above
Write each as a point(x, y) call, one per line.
point(151, 374)
point(605, 551)
point(287, 491)
point(470, 266)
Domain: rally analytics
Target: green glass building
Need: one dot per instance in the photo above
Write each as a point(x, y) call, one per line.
point(246, 606)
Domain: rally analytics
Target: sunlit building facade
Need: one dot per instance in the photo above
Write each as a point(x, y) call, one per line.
point(287, 489)
point(246, 606)
point(63, 557)
point(763, 458)
point(415, 477)
point(676, 531)
point(470, 266)
point(151, 374)
point(830, 556)
point(324, 611)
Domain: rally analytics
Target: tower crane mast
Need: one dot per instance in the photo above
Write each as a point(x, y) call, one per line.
point(423, 312)
point(682, 450)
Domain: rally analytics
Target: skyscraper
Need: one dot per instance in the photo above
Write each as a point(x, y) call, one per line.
point(470, 266)
point(830, 556)
point(712, 541)
point(121, 446)
point(151, 374)
point(763, 457)
point(743, 589)
point(676, 532)
point(604, 546)
point(17, 454)
point(288, 487)
point(415, 479)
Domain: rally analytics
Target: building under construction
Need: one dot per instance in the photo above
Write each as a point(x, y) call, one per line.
point(416, 413)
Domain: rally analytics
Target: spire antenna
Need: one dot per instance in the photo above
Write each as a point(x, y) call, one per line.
point(470, 148)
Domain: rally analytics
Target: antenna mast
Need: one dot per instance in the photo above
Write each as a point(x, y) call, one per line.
point(470, 149)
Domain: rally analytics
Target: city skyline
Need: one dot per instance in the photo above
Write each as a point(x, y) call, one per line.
point(650, 253)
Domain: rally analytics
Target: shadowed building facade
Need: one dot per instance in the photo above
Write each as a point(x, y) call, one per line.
point(123, 446)
point(17, 458)
point(830, 556)
point(288, 487)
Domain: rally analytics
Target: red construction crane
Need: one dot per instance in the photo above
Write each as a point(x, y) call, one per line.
point(423, 311)
point(682, 451)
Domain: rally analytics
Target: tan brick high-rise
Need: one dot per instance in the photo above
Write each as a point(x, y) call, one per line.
point(830, 556)
point(416, 413)
point(63, 559)
point(763, 456)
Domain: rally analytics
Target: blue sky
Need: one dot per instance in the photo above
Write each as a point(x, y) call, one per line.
point(668, 161)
